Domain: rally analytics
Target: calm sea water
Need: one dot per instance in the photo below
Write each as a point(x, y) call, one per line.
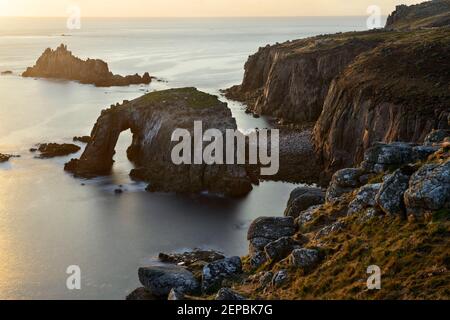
point(49, 220)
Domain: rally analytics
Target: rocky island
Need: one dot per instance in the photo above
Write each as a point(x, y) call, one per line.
point(62, 64)
point(152, 119)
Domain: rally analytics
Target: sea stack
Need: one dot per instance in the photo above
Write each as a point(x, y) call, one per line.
point(62, 64)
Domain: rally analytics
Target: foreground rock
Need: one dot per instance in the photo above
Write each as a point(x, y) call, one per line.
point(152, 119)
point(191, 257)
point(267, 229)
point(160, 280)
point(215, 272)
point(52, 150)
point(303, 198)
point(226, 294)
point(305, 259)
point(141, 294)
point(61, 64)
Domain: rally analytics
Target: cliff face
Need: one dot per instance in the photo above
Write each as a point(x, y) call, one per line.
point(290, 80)
point(396, 92)
point(61, 64)
point(429, 14)
point(152, 120)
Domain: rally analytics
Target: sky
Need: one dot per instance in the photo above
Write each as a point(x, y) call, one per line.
point(195, 8)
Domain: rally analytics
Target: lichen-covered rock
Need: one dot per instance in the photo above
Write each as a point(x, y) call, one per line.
point(305, 259)
point(325, 231)
point(303, 198)
point(160, 280)
point(343, 181)
point(226, 294)
point(383, 156)
point(257, 258)
point(190, 257)
point(390, 196)
point(306, 216)
point(265, 277)
point(280, 249)
point(215, 272)
point(267, 229)
point(365, 198)
point(429, 189)
point(280, 278)
point(436, 137)
point(421, 153)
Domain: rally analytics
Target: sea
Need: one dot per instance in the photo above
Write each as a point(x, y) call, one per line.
point(50, 221)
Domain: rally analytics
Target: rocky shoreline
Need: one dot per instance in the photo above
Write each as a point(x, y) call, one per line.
point(405, 186)
point(62, 64)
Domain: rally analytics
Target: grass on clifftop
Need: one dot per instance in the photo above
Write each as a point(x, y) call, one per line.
point(414, 259)
point(195, 99)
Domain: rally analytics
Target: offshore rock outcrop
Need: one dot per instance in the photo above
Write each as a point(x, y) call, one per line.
point(435, 13)
point(395, 92)
point(62, 64)
point(152, 119)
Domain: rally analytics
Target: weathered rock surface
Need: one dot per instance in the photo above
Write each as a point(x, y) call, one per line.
point(436, 137)
point(395, 92)
point(215, 272)
point(304, 258)
point(176, 295)
point(61, 64)
point(280, 278)
point(51, 150)
point(428, 14)
point(429, 189)
point(190, 257)
point(267, 229)
point(280, 249)
point(306, 216)
point(390, 196)
point(303, 198)
point(342, 182)
point(152, 119)
point(160, 280)
point(6, 157)
point(226, 294)
point(365, 198)
point(141, 294)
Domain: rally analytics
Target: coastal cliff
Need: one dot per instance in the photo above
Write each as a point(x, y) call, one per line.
point(152, 119)
point(435, 13)
point(398, 91)
point(62, 64)
point(357, 88)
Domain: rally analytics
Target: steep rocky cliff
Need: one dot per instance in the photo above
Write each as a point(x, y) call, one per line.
point(61, 64)
point(152, 119)
point(398, 91)
point(290, 81)
point(428, 14)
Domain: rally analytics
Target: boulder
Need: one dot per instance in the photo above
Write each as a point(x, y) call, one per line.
point(429, 189)
point(390, 196)
point(303, 198)
point(279, 249)
point(257, 259)
point(382, 156)
point(190, 257)
point(436, 137)
point(280, 278)
point(365, 198)
point(265, 278)
point(306, 216)
point(267, 229)
point(160, 280)
point(342, 182)
point(305, 259)
point(331, 228)
point(215, 272)
point(226, 294)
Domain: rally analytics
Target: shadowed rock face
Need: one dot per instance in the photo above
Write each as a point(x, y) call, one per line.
point(152, 120)
point(61, 64)
point(396, 92)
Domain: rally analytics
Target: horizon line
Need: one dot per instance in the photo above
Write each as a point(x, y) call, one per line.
point(186, 17)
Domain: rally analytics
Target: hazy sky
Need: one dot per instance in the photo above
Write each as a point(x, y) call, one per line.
point(195, 8)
